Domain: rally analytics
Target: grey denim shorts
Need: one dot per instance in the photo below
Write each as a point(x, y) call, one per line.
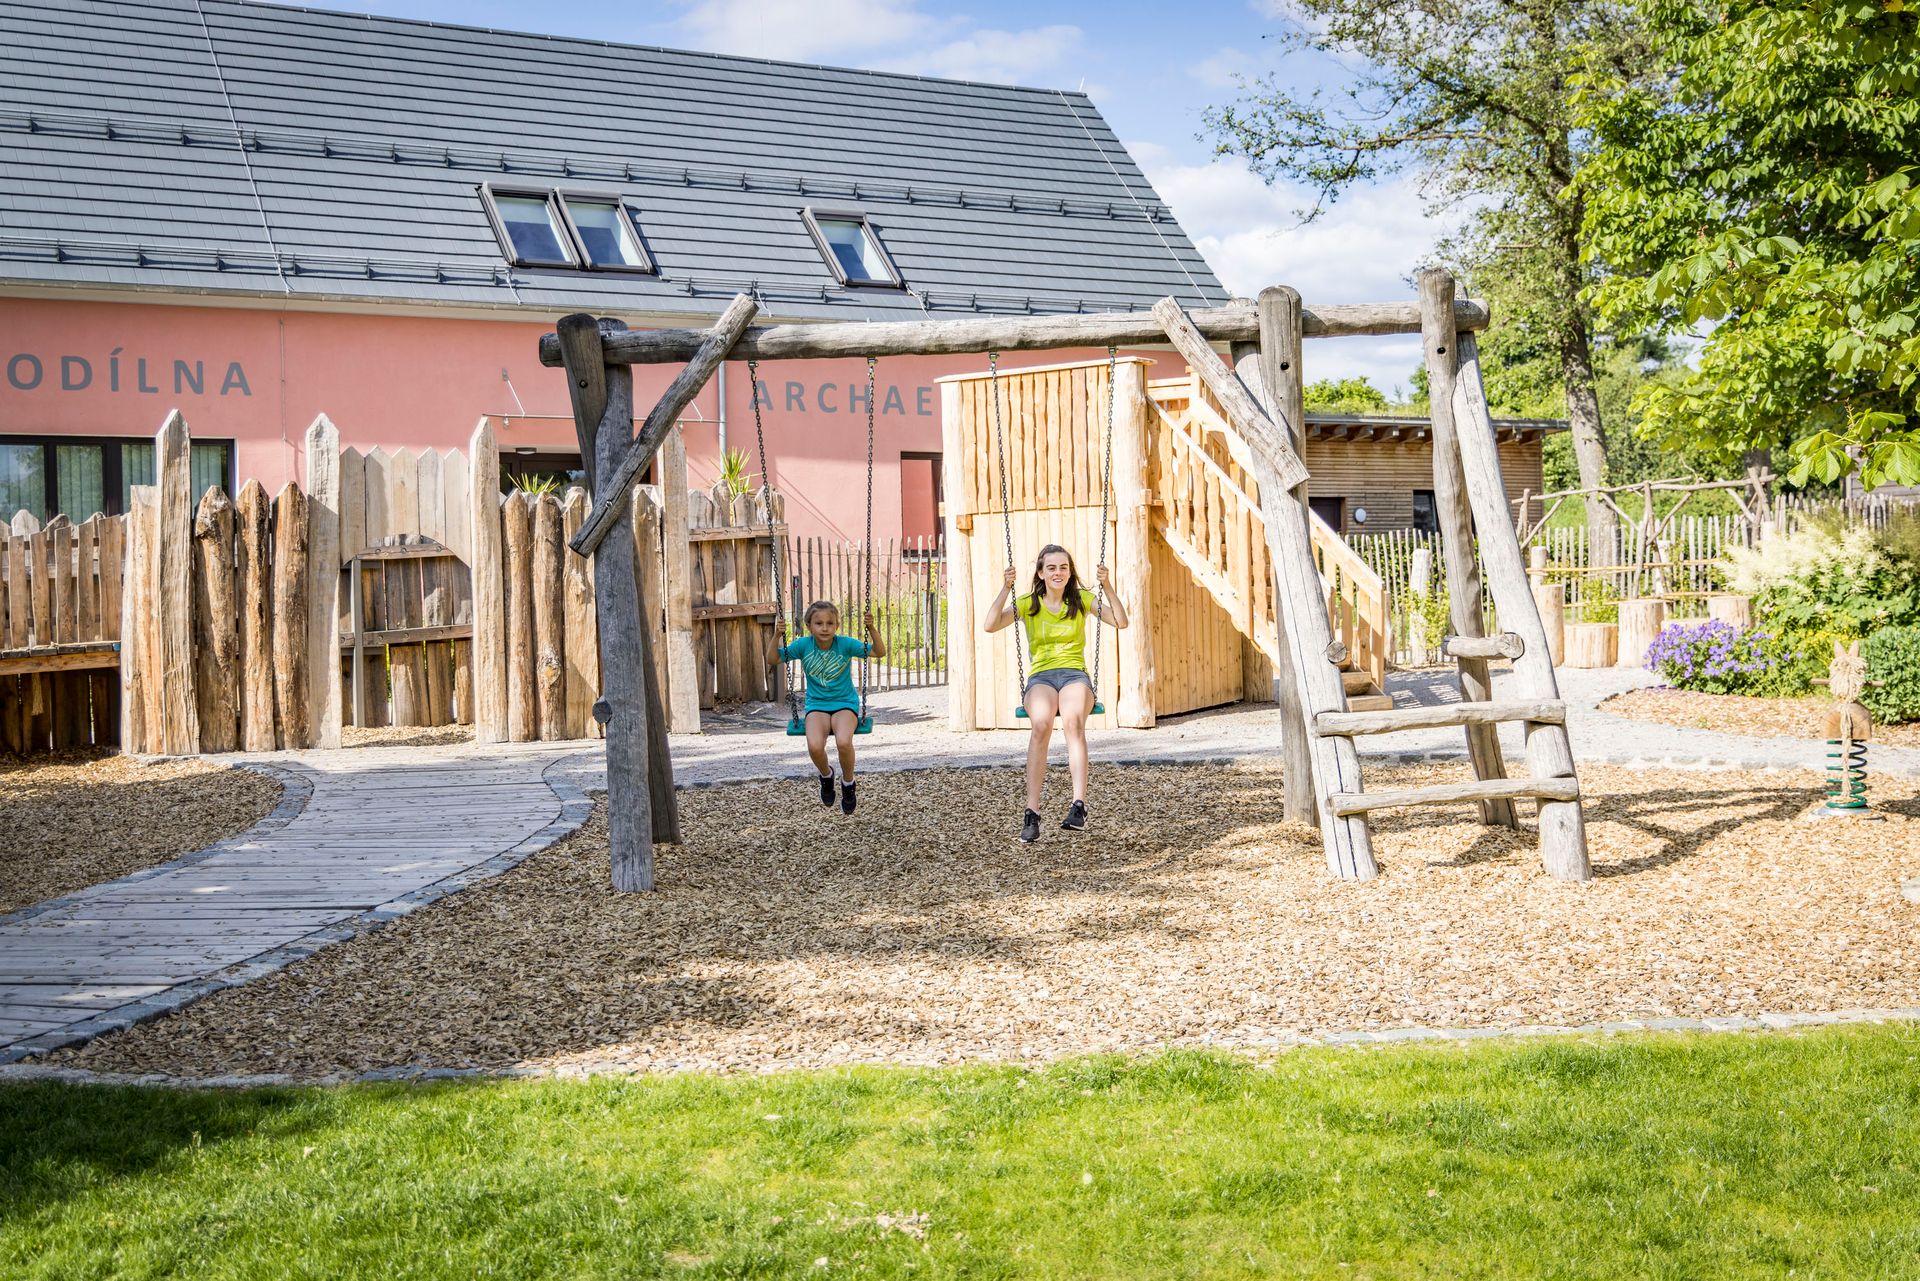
point(1058, 678)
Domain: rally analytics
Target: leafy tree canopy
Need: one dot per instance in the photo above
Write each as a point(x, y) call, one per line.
point(1761, 186)
point(1346, 395)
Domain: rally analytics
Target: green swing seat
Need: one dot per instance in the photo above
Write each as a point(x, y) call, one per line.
point(797, 726)
point(1099, 709)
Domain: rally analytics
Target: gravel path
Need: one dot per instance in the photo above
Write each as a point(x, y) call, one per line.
point(392, 828)
point(784, 936)
point(910, 732)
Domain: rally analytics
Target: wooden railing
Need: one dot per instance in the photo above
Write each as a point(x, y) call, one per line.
point(1206, 506)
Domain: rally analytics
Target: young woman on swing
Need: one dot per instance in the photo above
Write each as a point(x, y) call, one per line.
point(1053, 612)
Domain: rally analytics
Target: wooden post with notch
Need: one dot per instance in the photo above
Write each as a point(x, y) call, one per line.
point(1303, 610)
point(1456, 530)
point(603, 417)
point(1563, 827)
point(1276, 361)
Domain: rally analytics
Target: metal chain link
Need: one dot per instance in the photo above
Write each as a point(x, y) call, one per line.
point(773, 542)
point(868, 607)
point(1006, 513)
point(1106, 493)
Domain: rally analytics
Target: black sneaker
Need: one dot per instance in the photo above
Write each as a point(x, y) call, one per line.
point(1076, 819)
point(846, 797)
point(1030, 828)
point(826, 789)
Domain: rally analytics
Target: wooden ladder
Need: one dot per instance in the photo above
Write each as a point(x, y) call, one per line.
point(1322, 721)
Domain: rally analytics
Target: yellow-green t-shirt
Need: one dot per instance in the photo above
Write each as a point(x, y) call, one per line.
point(1055, 641)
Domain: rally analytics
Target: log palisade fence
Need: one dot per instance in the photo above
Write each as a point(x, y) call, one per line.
point(382, 594)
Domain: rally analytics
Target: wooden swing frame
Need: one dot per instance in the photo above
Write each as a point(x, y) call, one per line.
point(1261, 394)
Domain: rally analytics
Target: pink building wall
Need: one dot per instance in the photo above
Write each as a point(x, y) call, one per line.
point(260, 376)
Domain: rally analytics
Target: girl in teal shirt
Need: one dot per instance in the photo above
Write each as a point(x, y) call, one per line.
point(833, 704)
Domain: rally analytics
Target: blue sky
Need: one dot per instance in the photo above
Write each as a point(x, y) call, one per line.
point(1152, 70)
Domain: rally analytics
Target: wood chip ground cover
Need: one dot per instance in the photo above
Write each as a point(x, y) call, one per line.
point(77, 819)
point(784, 936)
point(1802, 718)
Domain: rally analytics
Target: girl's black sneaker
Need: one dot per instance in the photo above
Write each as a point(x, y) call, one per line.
point(826, 789)
point(846, 797)
point(1030, 828)
point(1076, 819)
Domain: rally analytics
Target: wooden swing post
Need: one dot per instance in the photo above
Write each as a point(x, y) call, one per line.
point(1456, 529)
point(1302, 610)
point(603, 417)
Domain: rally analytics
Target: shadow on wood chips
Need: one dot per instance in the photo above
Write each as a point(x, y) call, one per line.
point(784, 935)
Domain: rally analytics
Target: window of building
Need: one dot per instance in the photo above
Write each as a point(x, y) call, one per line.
point(1425, 519)
point(79, 476)
point(540, 227)
point(530, 228)
point(1331, 510)
point(852, 248)
point(605, 233)
point(920, 523)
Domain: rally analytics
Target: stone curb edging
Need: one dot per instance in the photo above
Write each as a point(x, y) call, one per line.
point(574, 809)
point(1783, 1022)
point(296, 789)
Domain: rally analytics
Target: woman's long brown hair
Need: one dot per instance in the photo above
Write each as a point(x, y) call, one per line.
point(1039, 587)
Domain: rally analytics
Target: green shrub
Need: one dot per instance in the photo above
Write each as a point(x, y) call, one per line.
point(1833, 575)
point(1893, 657)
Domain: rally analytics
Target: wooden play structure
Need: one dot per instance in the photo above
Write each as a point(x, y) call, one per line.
point(1185, 530)
point(1258, 399)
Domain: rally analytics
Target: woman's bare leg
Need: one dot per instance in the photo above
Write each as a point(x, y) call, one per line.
point(1042, 702)
point(1076, 702)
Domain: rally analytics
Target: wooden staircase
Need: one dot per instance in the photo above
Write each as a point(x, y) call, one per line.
point(1204, 503)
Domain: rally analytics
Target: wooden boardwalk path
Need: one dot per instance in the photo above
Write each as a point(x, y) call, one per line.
point(379, 834)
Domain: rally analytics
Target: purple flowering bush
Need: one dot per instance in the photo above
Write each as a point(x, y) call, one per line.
point(1718, 658)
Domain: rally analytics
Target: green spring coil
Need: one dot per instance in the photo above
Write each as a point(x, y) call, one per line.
point(1846, 778)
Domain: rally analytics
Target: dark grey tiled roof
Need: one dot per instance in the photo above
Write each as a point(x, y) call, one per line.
point(272, 150)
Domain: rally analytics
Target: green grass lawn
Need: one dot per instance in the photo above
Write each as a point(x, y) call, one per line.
point(1684, 1157)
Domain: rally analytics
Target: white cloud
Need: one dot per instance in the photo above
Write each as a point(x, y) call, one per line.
point(806, 30)
point(999, 56)
point(1223, 68)
point(1362, 249)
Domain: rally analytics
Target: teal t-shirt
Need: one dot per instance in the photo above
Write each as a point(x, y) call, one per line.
point(829, 671)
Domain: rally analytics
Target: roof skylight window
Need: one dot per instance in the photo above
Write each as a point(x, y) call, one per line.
point(849, 244)
point(531, 229)
point(605, 233)
point(545, 228)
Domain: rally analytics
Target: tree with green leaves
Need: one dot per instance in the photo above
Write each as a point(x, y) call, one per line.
point(1760, 183)
point(1477, 96)
point(1345, 395)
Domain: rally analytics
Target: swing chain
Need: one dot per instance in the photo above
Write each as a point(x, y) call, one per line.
point(773, 541)
point(1006, 513)
point(868, 608)
point(1106, 491)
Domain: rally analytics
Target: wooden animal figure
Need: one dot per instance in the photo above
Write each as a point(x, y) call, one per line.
point(1846, 681)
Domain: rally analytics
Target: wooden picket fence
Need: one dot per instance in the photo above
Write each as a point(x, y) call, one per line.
point(908, 595)
point(433, 608)
point(60, 606)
